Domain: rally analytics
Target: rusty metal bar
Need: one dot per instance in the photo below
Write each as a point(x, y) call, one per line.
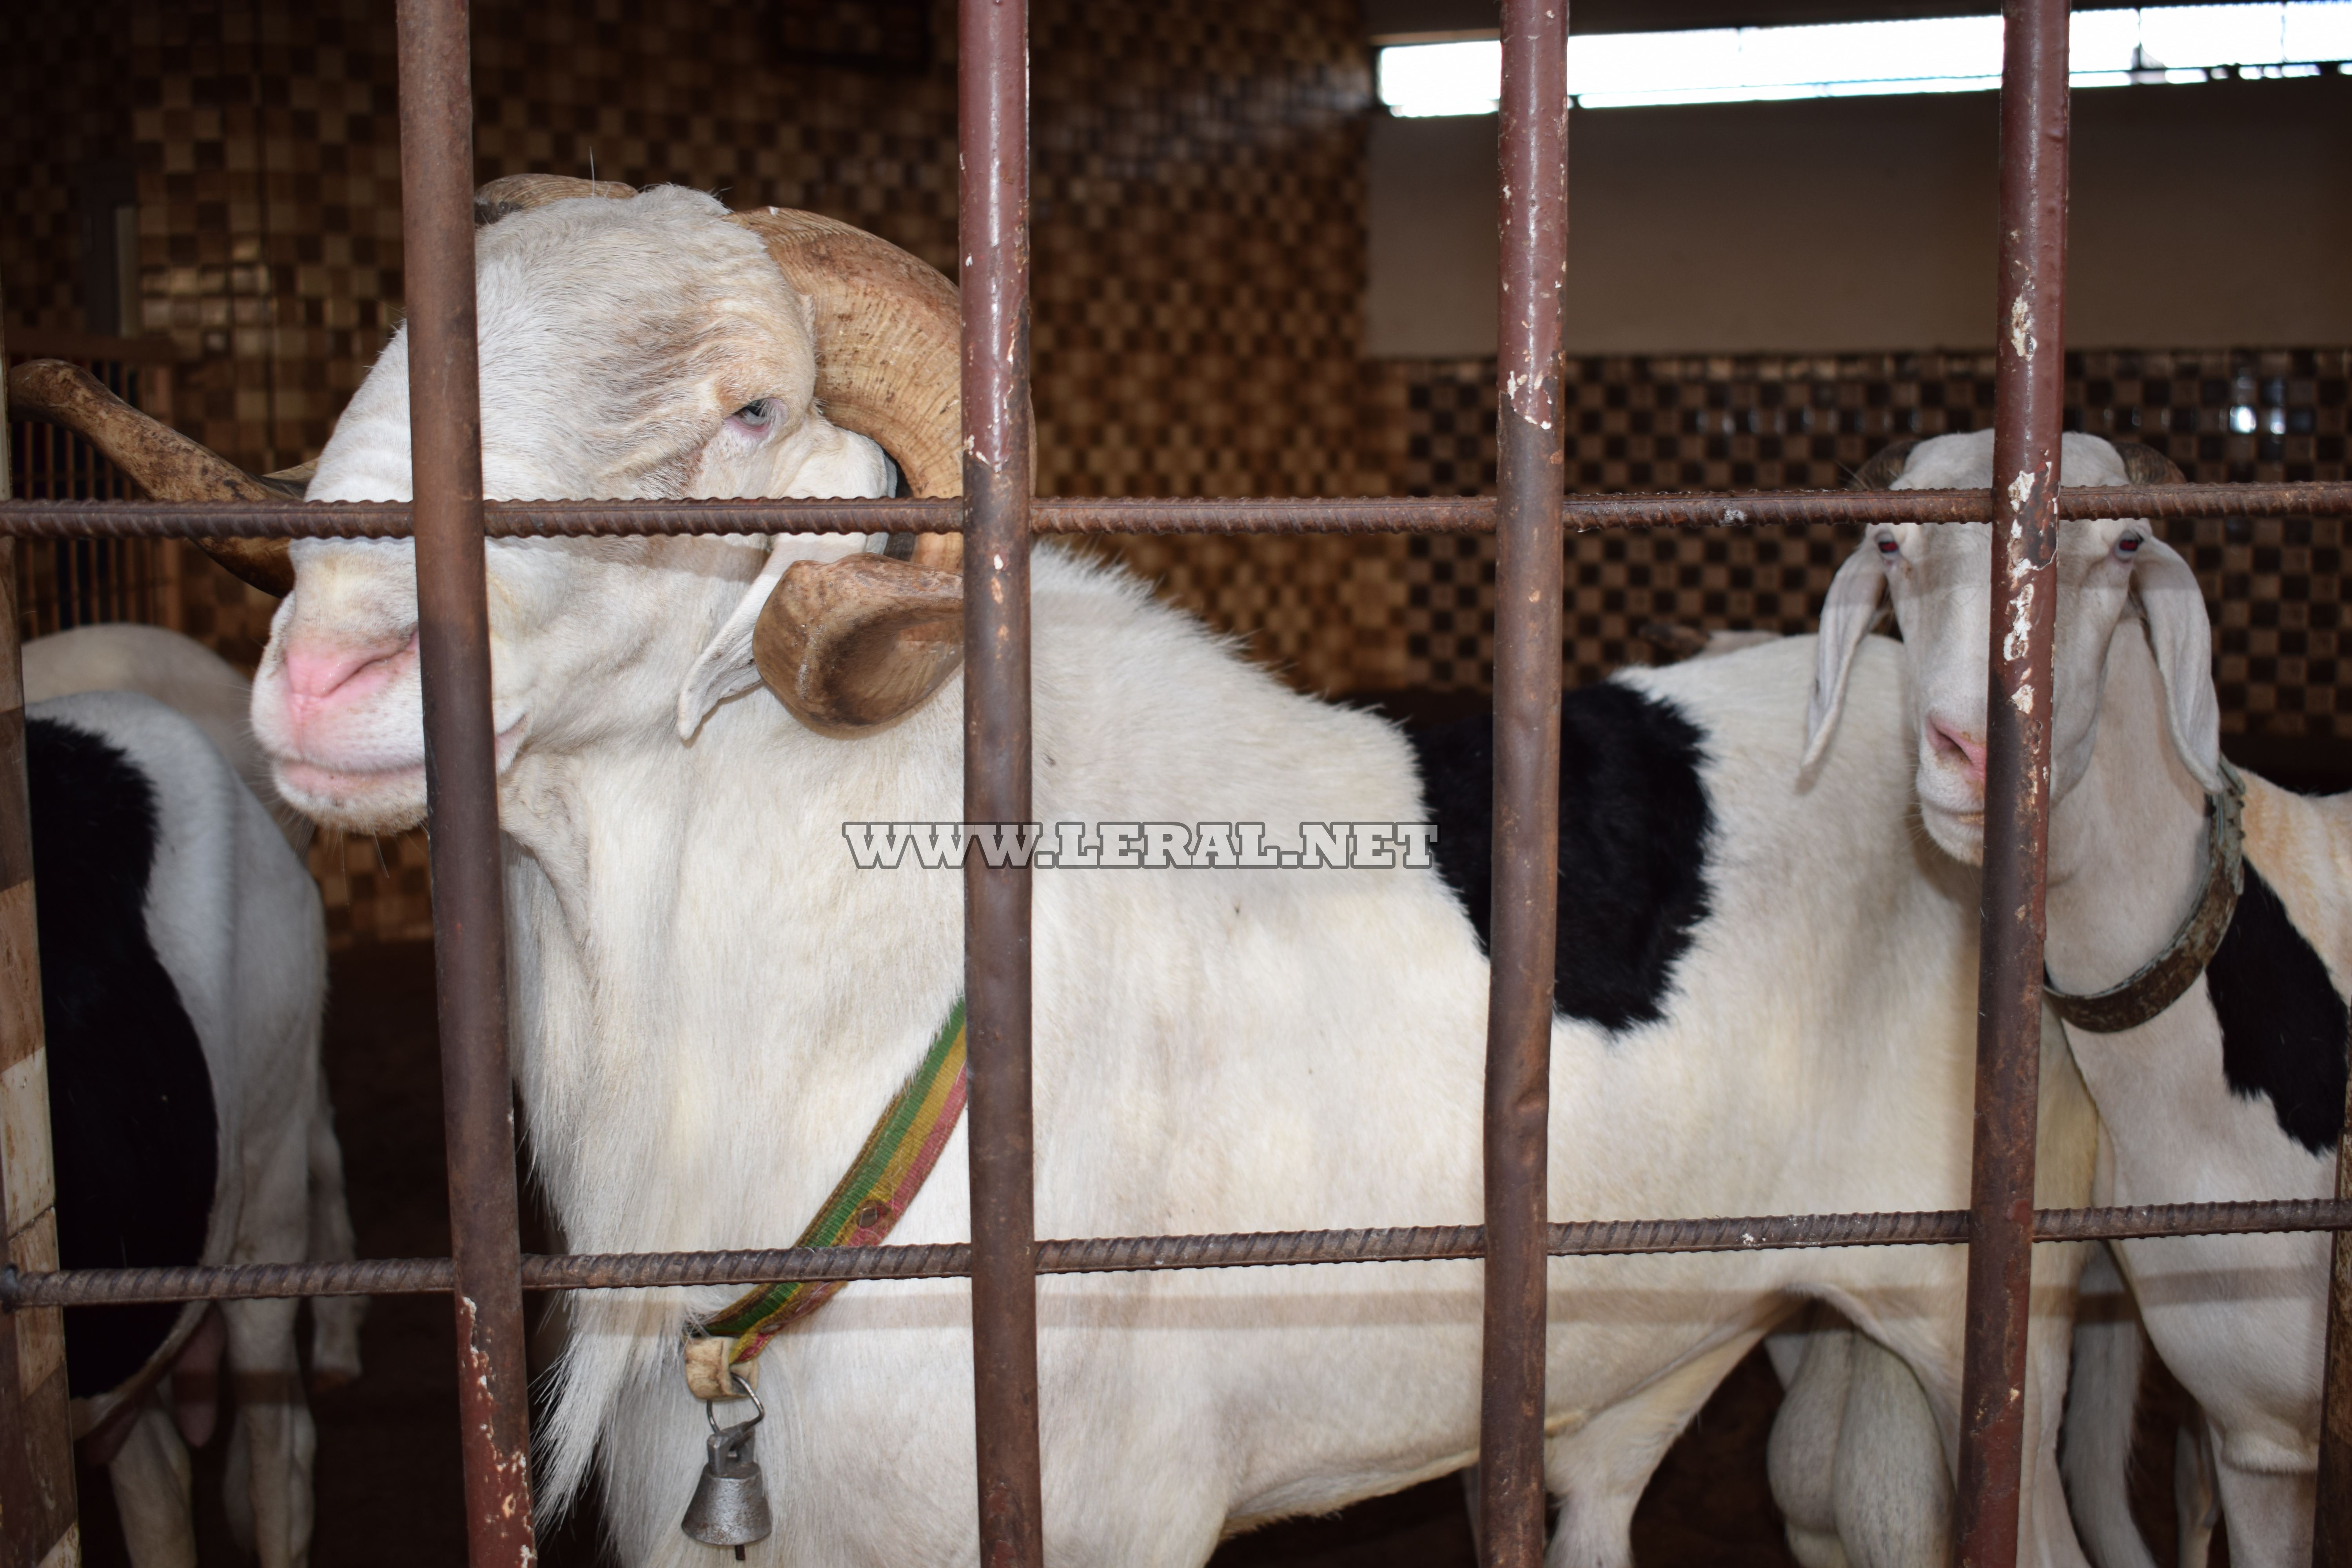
point(2331, 1546)
point(437, 165)
point(1143, 1254)
point(2030, 398)
point(1049, 515)
point(38, 1517)
point(993, 134)
point(1528, 581)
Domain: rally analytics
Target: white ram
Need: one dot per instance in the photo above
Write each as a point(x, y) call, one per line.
point(711, 1004)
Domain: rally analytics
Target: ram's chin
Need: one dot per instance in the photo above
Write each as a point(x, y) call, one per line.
point(391, 801)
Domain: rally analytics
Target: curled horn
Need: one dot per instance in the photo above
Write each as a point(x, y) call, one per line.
point(520, 192)
point(854, 645)
point(1884, 467)
point(166, 464)
point(2144, 465)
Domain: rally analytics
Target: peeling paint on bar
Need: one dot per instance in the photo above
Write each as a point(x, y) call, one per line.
point(2028, 407)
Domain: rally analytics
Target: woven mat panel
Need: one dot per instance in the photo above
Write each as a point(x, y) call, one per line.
point(375, 889)
point(62, 106)
point(1197, 196)
point(1383, 614)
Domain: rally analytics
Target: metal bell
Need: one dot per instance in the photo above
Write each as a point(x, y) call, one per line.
point(730, 1500)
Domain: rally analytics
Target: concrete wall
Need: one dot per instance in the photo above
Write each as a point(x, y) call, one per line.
point(2203, 215)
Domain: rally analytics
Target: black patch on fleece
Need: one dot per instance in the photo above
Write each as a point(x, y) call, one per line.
point(1633, 824)
point(2282, 1025)
point(130, 1102)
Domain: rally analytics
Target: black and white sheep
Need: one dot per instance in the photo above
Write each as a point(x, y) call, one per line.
point(2235, 1090)
point(183, 971)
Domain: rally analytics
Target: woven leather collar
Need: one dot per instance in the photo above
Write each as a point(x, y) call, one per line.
point(2164, 979)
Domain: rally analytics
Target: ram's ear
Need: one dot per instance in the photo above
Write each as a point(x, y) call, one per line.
point(2182, 636)
point(1846, 617)
point(724, 667)
point(841, 465)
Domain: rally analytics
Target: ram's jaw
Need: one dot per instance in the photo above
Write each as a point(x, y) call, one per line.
point(360, 768)
point(370, 800)
point(370, 804)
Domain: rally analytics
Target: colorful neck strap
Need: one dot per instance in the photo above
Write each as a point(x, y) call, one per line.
point(866, 1203)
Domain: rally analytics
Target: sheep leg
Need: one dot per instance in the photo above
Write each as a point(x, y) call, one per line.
point(1600, 1470)
point(2267, 1513)
point(237, 1486)
point(334, 1320)
point(275, 1436)
point(2196, 1503)
point(1816, 1367)
point(150, 1475)
point(1786, 1349)
point(1860, 1454)
point(2047, 1530)
point(2102, 1400)
point(1889, 1432)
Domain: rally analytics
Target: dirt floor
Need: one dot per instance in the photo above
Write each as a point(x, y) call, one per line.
point(388, 1486)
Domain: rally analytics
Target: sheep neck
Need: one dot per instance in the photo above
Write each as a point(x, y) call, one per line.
point(662, 987)
point(2128, 852)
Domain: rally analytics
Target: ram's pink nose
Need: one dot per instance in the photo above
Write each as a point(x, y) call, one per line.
point(1954, 743)
point(320, 674)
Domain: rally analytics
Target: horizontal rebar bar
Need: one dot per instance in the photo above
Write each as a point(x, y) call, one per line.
point(1131, 1254)
point(1070, 516)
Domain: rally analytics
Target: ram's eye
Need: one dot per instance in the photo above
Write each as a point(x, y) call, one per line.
point(1888, 547)
point(2127, 546)
point(756, 412)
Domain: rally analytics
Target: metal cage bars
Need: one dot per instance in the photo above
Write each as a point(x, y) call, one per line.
point(469, 954)
point(1528, 569)
point(2029, 402)
point(1070, 517)
point(992, 136)
point(1144, 1254)
point(450, 520)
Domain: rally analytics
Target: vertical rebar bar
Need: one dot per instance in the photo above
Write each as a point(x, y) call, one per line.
point(993, 89)
point(2030, 390)
point(1528, 580)
point(38, 1524)
point(2332, 1527)
point(437, 167)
